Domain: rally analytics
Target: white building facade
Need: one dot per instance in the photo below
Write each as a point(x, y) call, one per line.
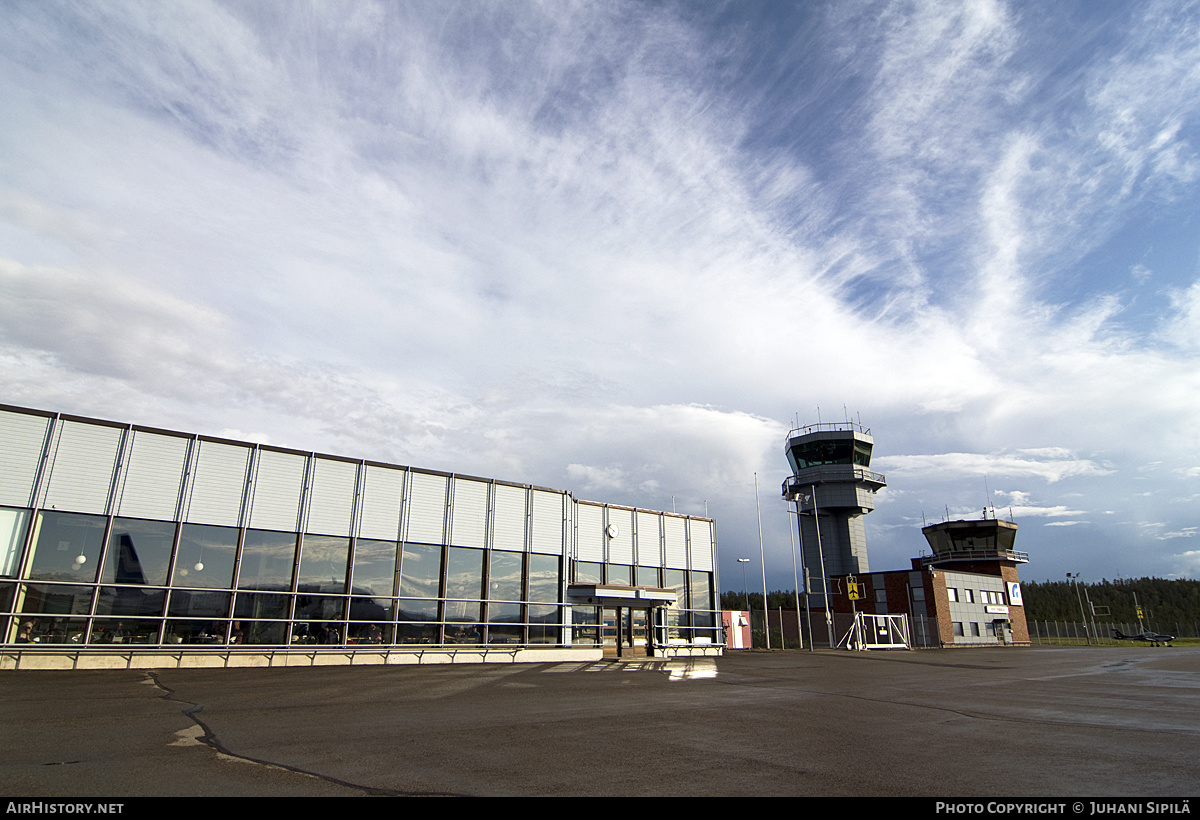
point(122, 544)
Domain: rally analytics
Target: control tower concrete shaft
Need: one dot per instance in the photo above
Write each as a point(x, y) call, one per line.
point(832, 485)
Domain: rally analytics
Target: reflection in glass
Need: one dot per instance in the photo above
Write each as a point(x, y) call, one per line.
point(647, 577)
point(504, 613)
point(589, 573)
point(544, 585)
point(676, 579)
point(421, 570)
point(12, 538)
point(205, 557)
point(620, 574)
point(586, 629)
point(130, 601)
point(267, 559)
point(323, 562)
point(262, 606)
point(504, 576)
point(543, 624)
point(187, 604)
point(139, 552)
point(374, 567)
point(464, 573)
point(67, 547)
point(417, 610)
point(701, 590)
point(53, 599)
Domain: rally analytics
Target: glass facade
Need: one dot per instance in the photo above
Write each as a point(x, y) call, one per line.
point(164, 583)
point(167, 565)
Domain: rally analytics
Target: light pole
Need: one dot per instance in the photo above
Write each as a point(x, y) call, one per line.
point(1075, 580)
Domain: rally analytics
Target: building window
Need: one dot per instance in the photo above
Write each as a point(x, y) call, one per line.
point(968, 596)
point(958, 628)
point(952, 593)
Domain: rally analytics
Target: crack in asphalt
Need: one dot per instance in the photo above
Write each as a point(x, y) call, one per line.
point(209, 738)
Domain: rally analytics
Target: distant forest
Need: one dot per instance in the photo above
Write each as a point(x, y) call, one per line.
point(1163, 601)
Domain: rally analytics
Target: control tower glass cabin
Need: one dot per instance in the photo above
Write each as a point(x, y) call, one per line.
point(830, 475)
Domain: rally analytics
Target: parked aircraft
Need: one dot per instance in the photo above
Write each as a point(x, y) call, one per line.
point(1152, 638)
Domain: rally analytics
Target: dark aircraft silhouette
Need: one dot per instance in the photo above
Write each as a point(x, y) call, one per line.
point(1152, 638)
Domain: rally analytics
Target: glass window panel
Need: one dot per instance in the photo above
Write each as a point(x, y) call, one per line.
point(505, 634)
point(647, 577)
point(676, 579)
point(323, 563)
point(130, 601)
point(13, 524)
point(418, 633)
point(267, 560)
point(67, 547)
point(139, 552)
point(7, 594)
point(464, 573)
point(320, 608)
point(197, 631)
point(504, 576)
point(504, 613)
point(124, 630)
point(51, 630)
point(620, 574)
point(462, 611)
point(371, 609)
point(468, 633)
point(589, 573)
point(263, 632)
point(374, 633)
point(53, 599)
point(421, 570)
point(701, 590)
point(206, 557)
point(317, 632)
point(187, 604)
point(586, 620)
point(417, 610)
point(257, 607)
point(544, 583)
point(374, 567)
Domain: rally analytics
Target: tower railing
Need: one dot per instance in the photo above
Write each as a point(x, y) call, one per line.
point(829, 426)
point(830, 472)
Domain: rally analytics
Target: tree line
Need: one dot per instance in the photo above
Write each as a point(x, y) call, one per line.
point(1163, 600)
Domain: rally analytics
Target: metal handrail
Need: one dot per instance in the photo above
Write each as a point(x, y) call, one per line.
point(836, 471)
point(851, 426)
point(983, 555)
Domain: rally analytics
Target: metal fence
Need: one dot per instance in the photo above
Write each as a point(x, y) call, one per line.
point(1071, 633)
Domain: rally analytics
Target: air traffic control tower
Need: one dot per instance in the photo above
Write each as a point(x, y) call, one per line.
point(831, 483)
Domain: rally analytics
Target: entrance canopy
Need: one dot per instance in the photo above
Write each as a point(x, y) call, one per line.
point(612, 595)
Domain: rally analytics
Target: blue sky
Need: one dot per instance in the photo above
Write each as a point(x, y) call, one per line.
point(619, 248)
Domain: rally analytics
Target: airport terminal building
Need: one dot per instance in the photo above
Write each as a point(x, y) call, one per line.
point(128, 546)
